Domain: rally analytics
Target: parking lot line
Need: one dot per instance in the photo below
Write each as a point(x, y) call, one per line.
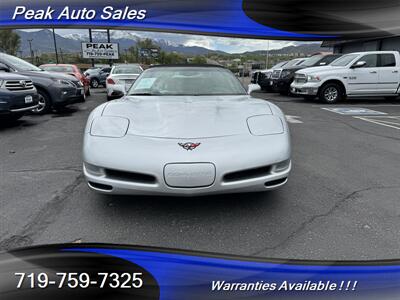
point(353, 111)
point(384, 122)
point(293, 119)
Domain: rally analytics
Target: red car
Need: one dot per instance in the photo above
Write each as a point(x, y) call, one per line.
point(71, 70)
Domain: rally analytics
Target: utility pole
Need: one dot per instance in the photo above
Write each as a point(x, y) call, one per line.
point(55, 45)
point(91, 40)
point(30, 49)
point(109, 41)
point(267, 59)
point(61, 56)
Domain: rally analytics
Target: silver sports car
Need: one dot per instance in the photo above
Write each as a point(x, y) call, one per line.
point(186, 130)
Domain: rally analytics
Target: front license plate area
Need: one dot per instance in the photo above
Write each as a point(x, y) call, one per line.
point(28, 99)
point(189, 175)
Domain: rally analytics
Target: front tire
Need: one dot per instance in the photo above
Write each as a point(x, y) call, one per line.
point(330, 93)
point(44, 103)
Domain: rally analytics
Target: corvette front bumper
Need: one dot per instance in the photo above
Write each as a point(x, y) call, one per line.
point(212, 168)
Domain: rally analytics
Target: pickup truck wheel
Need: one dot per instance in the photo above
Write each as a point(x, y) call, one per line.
point(331, 93)
point(94, 83)
point(44, 103)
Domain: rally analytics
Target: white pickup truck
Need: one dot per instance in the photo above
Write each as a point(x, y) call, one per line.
point(373, 73)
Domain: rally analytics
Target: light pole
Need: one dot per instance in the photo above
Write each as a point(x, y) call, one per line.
point(55, 45)
point(267, 58)
point(30, 49)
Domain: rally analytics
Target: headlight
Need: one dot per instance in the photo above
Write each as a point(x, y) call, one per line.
point(285, 74)
point(108, 126)
point(64, 82)
point(265, 125)
point(312, 78)
point(1, 83)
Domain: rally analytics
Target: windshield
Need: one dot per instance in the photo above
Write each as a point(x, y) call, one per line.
point(127, 69)
point(344, 60)
point(187, 81)
point(294, 62)
point(281, 64)
point(312, 60)
point(17, 63)
point(63, 69)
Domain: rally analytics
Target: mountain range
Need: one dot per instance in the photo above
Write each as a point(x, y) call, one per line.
point(42, 42)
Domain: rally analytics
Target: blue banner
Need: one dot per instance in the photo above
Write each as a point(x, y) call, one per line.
point(164, 274)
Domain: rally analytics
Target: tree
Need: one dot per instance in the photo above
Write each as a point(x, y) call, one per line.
point(199, 60)
point(9, 41)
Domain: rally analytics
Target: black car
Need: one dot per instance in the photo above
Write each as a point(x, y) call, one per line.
point(262, 78)
point(282, 84)
point(55, 90)
point(17, 96)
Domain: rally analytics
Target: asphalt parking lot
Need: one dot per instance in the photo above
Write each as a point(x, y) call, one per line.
point(342, 200)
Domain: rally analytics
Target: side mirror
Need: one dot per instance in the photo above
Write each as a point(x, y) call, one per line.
point(118, 94)
point(4, 68)
point(252, 88)
point(359, 64)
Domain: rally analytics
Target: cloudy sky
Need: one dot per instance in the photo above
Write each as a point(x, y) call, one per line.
point(230, 45)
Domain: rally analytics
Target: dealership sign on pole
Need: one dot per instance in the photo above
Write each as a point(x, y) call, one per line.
point(100, 50)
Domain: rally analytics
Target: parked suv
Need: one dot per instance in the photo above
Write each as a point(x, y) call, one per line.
point(97, 76)
point(373, 73)
point(282, 84)
point(17, 95)
point(73, 70)
point(55, 90)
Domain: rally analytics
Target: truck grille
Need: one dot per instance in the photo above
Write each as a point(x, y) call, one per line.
point(276, 74)
point(19, 85)
point(300, 78)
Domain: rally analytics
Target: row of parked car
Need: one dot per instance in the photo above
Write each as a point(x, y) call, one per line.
point(334, 77)
point(25, 87)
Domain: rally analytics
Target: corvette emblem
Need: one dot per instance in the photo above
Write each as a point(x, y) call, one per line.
point(189, 146)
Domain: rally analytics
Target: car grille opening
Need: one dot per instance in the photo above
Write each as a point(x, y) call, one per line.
point(247, 174)
point(275, 182)
point(19, 85)
point(130, 176)
point(276, 74)
point(99, 186)
point(300, 78)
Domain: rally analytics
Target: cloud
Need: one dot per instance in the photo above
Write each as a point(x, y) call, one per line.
point(227, 44)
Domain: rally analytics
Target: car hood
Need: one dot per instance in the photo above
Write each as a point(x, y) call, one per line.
point(320, 69)
point(187, 116)
point(12, 76)
point(46, 74)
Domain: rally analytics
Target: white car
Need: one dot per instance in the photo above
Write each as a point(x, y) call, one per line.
point(186, 130)
point(120, 79)
point(373, 73)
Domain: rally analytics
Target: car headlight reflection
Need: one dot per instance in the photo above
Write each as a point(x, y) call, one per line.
point(312, 78)
point(282, 166)
point(94, 170)
point(64, 82)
